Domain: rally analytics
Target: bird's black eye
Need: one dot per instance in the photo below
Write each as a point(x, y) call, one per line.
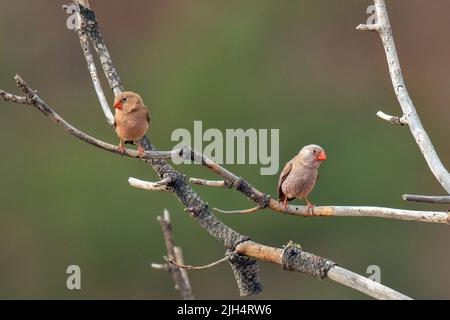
point(124, 99)
point(314, 151)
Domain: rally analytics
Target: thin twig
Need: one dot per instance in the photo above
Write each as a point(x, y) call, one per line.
point(159, 266)
point(8, 97)
point(209, 183)
point(235, 212)
point(368, 27)
point(400, 121)
point(426, 199)
point(198, 268)
point(151, 186)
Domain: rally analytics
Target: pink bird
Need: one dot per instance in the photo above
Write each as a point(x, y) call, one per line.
point(300, 175)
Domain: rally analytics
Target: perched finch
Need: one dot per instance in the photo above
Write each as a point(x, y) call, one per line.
point(300, 175)
point(131, 119)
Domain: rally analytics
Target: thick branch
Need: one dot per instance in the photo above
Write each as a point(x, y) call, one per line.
point(293, 258)
point(410, 115)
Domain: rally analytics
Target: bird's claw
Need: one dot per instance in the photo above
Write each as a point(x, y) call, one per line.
point(141, 152)
point(285, 205)
point(121, 149)
point(310, 209)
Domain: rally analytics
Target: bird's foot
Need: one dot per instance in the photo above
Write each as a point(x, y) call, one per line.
point(141, 151)
point(121, 149)
point(310, 209)
point(285, 204)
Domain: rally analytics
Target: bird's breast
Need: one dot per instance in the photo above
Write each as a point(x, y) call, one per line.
point(300, 182)
point(131, 127)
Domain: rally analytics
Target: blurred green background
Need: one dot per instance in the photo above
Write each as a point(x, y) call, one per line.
point(299, 66)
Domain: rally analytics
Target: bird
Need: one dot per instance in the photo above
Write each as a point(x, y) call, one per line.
point(300, 175)
point(131, 120)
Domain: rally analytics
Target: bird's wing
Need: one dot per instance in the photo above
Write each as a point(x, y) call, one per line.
point(286, 170)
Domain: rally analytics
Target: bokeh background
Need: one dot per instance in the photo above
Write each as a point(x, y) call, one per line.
point(299, 66)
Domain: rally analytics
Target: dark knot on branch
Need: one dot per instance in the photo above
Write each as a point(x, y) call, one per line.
point(198, 211)
point(87, 14)
point(246, 272)
point(175, 179)
point(262, 200)
point(295, 259)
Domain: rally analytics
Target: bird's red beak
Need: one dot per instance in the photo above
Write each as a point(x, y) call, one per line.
point(322, 156)
point(118, 105)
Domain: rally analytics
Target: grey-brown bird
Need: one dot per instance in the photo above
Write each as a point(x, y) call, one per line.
point(132, 119)
point(300, 174)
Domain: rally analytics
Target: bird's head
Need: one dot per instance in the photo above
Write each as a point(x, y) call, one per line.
point(127, 101)
point(312, 155)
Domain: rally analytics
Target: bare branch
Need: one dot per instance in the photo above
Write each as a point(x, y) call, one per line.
point(158, 266)
point(151, 186)
point(426, 199)
point(181, 281)
point(209, 183)
point(9, 97)
point(410, 115)
point(368, 27)
point(84, 3)
point(360, 283)
point(293, 258)
point(179, 258)
point(233, 212)
point(400, 121)
point(361, 211)
point(322, 211)
point(198, 268)
point(84, 42)
point(90, 26)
